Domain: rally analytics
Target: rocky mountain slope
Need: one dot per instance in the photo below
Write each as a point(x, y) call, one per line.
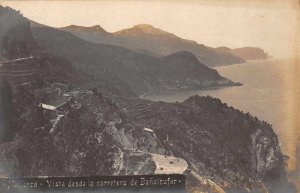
point(148, 39)
point(247, 53)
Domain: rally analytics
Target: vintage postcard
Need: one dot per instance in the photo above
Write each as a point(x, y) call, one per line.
point(149, 96)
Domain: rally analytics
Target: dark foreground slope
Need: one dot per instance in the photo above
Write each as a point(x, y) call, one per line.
point(147, 39)
point(129, 71)
point(233, 149)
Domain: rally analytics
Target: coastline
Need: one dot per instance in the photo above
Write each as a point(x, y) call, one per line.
point(161, 91)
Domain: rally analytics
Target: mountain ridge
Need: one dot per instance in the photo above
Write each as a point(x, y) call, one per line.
point(138, 73)
point(160, 42)
point(94, 28)
point(142, 28)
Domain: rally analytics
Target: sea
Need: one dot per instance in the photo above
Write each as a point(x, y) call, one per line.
point(269, 92)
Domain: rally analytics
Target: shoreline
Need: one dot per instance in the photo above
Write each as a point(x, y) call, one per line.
point(161, 91)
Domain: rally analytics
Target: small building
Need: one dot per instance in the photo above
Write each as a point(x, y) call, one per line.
point(54, 107)
point(55, 103)
point(148, 130)
point(47, 107)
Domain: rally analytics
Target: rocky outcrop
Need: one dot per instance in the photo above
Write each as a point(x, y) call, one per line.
point(266, 157)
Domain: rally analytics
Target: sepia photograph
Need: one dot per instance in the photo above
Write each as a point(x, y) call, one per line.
point(164, 96)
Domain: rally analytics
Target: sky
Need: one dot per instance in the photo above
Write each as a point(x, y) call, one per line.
point(271, 25)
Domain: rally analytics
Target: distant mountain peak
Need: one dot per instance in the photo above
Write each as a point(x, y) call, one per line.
point(143, 26)
point(94, 28)
point(97, 27)
point(223, 48)
point(141, 29)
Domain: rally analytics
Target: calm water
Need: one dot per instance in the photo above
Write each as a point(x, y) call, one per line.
point(268, 93)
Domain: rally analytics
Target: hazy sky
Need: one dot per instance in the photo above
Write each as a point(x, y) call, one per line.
point(269, 25)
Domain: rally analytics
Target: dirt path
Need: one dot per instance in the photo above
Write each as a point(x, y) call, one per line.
point(16, 60)
point(120, 164)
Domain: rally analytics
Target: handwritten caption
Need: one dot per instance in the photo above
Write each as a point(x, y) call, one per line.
point(91, 182)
